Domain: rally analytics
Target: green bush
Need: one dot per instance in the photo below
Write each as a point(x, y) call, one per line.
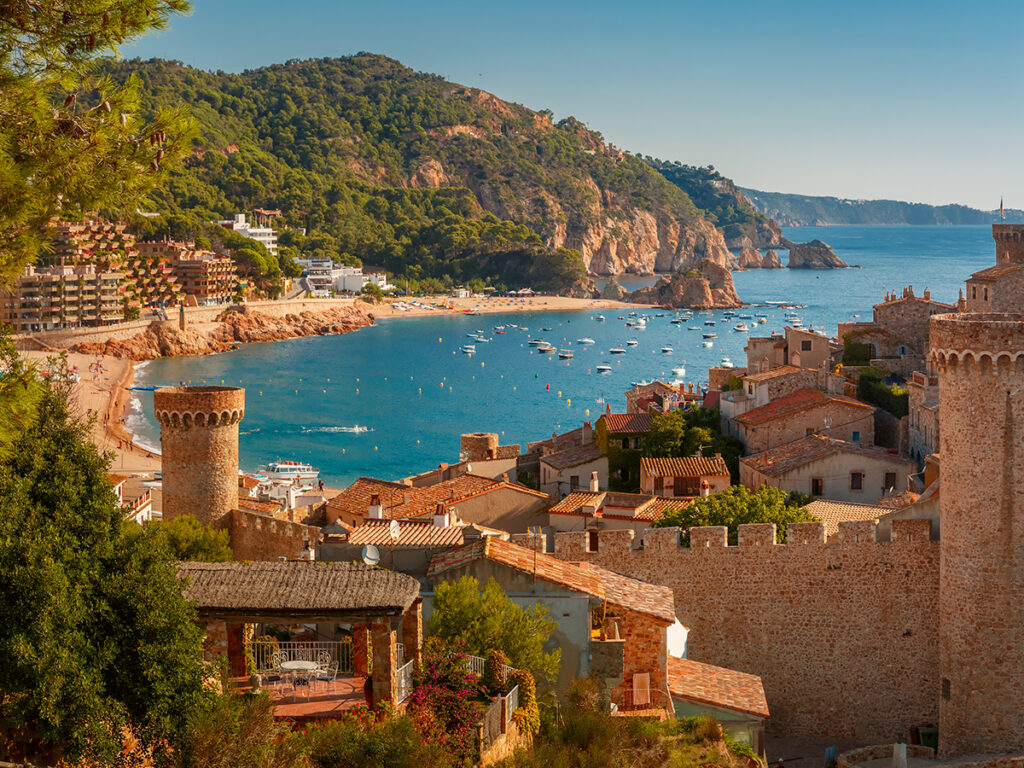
point(391, 743)
point(527, 716)
point(871, 388)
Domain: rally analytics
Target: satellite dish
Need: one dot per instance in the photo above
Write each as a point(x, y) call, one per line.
point(371, 555)
point(393, 530)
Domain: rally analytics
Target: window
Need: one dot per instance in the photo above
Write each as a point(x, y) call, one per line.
point(817, 486)
point(591, 541)
point(809, 432)
point(856, 481)
point(890, 480)
point(986, 294)
point(856, 436)
point(974, 291)
point(574, 482)
point(625, 443)
point(624, 474)
point(805, 345)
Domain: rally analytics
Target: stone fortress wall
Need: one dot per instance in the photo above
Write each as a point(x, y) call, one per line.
point(843, 634)
point(199, 447)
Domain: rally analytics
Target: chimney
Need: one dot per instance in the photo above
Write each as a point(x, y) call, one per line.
point(376, 511)
point(588, 433)
point(607, 409)
point(595, 485)
point(705, 488)
point(307, 552)
point(927, 295)
point(441, 517)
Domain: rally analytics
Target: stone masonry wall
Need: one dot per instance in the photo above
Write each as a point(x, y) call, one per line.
point(844, 419)
point(843, 635)
point(260, 537)
point(646, 650)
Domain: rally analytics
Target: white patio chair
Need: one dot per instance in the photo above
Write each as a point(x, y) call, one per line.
point(328, 675)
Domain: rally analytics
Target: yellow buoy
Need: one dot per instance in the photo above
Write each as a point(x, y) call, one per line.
point(375, 447)
point(586, 412)
point(559, 394)
point(481, 363)
point(568, 401)
point(324, 391)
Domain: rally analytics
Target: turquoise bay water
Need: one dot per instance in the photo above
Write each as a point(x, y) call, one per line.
point(406, 381)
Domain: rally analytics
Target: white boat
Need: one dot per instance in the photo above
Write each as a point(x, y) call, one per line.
point(600, 318)
point(585, 340)
point(710, 335)
point(679, 370)
point(709, 322)
point(667, 350)
point(289, 470)
point(469, 349)
point(707, 343)
point(616, 351)
point(641, 323)
point(565, 354)
point(546, 348)
point(742, 327)
point(536, 342)
point(632, 342)
point(762, 320)
point(676, 321)
point(603, 368)
point(726, 362)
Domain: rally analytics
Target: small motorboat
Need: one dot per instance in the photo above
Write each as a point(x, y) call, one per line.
point(546, 348)
point(585, 340)
point(742, 327)
point(600, 318)
point(709, 322)
point(676, 321)
point(616, 351)
point(603, 368)
point(762, 320)
point(469, 349)
point(545, 330)
point(707, 343)
point(630, 323)
point(726, 362)
point(632, 342)
point(679, 370)
point(710, 335)
point(536, 342)
point(565, 354)
point(667, 350)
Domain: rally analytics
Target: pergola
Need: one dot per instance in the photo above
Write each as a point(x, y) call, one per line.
point(378, 603)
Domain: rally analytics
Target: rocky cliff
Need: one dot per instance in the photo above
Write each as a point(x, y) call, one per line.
point(165, 339)
point(771, 261)
point(706, 285)
point(816, 254)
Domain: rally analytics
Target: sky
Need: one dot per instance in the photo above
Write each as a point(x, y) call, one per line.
point(900, 99)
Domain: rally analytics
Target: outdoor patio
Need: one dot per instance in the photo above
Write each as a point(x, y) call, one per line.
point(318, 702)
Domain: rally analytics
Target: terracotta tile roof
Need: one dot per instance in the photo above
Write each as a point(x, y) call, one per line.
point(297, 587)
point(655, 387)
point(244, 481)
point(685, 466)
point(994, 273)
point(410, 534)
point(794, 403)
point(263, 507)
point(913, 298)
point(619, 506)
point(776, 462)
point(622, 591)
point(716, 686)
point(561, 442)
point(573, 457)
point(832, 513)
point(116, 480)
point(773, 373)
point(402, 501)
point(712, 398)
point(628, 423)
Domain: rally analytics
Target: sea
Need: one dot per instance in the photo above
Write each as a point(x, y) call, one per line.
point(392, 400)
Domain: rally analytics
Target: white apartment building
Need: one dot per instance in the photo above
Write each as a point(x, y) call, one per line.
point(324, 278)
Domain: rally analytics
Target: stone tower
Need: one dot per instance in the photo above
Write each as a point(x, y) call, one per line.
point(199, 442)
point(1009, 243)
point(980, 359)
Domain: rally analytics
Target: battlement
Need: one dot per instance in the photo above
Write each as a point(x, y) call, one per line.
point(1009, 243)
point(990, 343)
point(185, 407)
point(260, 537)
point(612, 543)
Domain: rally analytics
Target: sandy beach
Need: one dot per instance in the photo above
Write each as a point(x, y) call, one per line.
point(493, 304)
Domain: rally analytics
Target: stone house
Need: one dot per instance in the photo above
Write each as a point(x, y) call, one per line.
point(758, 389)
point(480, 500)
point(805, 412)
point(590, 511)
point(923, 414)
point(734, 699)
point(611, 627)
point(996, 289)
point(570, 470)
point(684, 477)
point(829, 468)
point(620, 437)
point(808, 349)
point(766, 352)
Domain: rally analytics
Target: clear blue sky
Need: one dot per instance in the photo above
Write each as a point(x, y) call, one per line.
point(895, 99)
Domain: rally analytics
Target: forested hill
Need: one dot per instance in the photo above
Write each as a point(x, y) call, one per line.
point(721, 201)
point(803, 210)
point(419, 175)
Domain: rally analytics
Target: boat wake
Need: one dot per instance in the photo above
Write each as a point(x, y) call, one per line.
point(355, 429)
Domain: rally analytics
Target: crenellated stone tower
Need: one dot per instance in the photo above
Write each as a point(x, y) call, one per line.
point(199, 442)
point(980, 360)
point(1009, 243)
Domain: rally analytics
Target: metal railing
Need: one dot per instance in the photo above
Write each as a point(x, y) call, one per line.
point(624, 700)
point(262, 652)
point(478, 665)
point(404, 683)
point(511, 703)
point(400, 653)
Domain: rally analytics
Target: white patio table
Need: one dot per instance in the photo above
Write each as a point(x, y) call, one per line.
point(300, 669)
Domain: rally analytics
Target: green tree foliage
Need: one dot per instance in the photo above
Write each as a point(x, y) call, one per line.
point(486, 618)
point(736, 506)
point(188, 539)
point(692, 431)
point(94, 630)
point(373, 292)
point(349, 149)
point(871, 388)
point(71, 138)
point(21, 392)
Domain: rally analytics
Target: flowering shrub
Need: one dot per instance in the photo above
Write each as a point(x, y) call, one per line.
point(494, 673)
point(527, 716)
point(445, 701)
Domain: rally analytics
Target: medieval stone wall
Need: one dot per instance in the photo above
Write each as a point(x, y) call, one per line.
point(261, 537)
point(835, 419)
point(843, 634)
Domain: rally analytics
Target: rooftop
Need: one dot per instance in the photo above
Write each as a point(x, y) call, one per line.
point(573, 457)
point(623, 506)
point(717, 686)
point(776, 462)
point(832, 513)
point(296, 588)
point(622, 591)
point(794, 403)
point(628, 423)
point(685, 466)
point(773, 373)
point(996, 272)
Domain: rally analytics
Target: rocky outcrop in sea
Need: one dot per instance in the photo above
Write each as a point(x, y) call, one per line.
point(816, 254)
point(707, 285)
point(613, 290)
point(166, 339)
point(771, 261)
